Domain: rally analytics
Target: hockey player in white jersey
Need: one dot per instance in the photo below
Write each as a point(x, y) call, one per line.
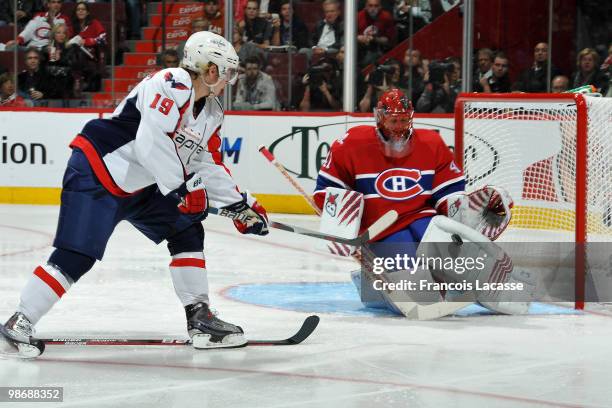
point(155, 163)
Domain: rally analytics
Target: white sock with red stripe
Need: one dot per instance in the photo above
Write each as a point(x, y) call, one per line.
point(45, 287)
point(188, 270)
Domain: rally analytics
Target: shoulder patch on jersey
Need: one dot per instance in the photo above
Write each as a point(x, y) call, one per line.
point(168, 77)
point(398, 184)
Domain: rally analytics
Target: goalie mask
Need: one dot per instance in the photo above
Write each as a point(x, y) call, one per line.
point(394, 115)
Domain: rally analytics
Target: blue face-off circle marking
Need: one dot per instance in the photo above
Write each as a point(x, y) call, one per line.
point(340, 298)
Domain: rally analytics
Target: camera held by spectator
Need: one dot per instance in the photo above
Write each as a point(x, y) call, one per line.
point(323, 72)
point(439, 72)
point(377, 77)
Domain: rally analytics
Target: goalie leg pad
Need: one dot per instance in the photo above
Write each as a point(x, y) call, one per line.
point(449, 239)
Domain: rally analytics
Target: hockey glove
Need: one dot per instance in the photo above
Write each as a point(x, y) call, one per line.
point(258, 222)
point(486, 210)
point(194, 200)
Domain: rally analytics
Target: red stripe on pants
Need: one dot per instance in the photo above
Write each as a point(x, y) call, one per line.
point(197, 263)
point(50, 280)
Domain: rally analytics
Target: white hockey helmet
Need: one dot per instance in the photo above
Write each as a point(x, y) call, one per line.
point(203, 48)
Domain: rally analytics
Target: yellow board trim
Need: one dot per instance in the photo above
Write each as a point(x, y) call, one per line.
point(30, 195)
point(288, 204)
point(275, 203)
point(523, 216)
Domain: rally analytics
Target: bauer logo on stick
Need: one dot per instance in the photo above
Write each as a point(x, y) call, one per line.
point(398, 184)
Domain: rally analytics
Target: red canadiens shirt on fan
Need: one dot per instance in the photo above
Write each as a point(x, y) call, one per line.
point(414, 186)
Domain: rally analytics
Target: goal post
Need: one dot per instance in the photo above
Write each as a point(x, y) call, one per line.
point(553, 152)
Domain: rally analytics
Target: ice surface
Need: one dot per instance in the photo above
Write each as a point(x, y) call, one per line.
point(352, 360)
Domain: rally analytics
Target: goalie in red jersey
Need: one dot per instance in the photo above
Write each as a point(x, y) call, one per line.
point(412, 171)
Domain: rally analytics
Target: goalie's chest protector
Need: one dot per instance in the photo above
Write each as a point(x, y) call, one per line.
point(410, 185)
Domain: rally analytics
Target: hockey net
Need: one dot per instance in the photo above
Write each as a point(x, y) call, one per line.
point(553, 153)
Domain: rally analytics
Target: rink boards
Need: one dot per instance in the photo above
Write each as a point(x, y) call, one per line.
point(34, 150)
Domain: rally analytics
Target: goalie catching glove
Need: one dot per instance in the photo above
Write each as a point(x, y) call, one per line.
point(486, 210)
point(258, 218)
point(194, 200)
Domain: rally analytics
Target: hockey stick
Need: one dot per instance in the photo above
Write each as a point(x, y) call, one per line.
point(375, 229)
point(308, 326)
point(268, 155)
point(379, 226)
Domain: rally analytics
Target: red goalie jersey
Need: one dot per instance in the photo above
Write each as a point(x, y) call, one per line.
point(414, 186)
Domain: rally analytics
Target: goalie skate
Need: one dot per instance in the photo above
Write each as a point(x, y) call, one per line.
point(208, 331)
point(16, 339)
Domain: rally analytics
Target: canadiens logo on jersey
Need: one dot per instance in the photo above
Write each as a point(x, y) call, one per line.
point(174, 84)
point(398, 184)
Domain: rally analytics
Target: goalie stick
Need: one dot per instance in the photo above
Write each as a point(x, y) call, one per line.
point(308, 327)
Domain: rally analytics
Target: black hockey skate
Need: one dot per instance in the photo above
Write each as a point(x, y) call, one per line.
point(16, 338)
point(208, 331)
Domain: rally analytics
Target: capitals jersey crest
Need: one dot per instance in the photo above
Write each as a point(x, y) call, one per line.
point(414, 185)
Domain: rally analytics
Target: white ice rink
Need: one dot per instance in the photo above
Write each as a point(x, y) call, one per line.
point(352, 360)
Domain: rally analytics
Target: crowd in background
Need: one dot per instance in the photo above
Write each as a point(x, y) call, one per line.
point(63, 54)
point(70, 58)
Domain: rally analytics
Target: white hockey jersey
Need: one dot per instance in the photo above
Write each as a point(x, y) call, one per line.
point(36, 32)
point(154, 138)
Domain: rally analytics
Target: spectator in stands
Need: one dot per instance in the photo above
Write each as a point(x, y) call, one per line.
point(197, 25)
point(322, 87)
point(256, 90)
point(606, 67)
point(439, 96)
point(36, 32)
point(455, 74)
point(215, 16)
point(3, 70)
point(534, 78)
point(386, 76)
point(169, 58)
point(33, 82)
point(376, 32)
point(403, 10)
point(88, 46)
point(499, 82)
point(329, 32)
point(485, 63)
point(239, 8)
point(248, 49)
point(588, 72)
point(289, 30)
point(25, 11)
point(59, 62)
point(8, 96)
point(256, 29)
point(412, 74)
point(133, 8)
point(559, 84)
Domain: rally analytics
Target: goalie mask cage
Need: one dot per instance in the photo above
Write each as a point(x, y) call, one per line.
point(553, 153)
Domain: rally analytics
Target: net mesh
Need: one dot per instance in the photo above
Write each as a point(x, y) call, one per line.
point(529, 148)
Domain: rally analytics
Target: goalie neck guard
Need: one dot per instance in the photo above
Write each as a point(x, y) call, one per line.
point(394, 115)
